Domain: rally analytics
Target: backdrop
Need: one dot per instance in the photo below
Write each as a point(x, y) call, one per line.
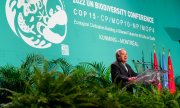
point(89, 30)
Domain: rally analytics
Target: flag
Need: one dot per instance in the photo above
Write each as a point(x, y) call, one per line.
point(164, 68)
point(171, 82)
point(158, 74)
point(155, 61)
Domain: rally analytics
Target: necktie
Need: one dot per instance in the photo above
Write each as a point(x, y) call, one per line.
point(125, 67)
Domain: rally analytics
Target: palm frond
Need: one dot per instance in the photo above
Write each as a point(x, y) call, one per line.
point(64, 65)
point(100, 68)
point(32, 59)
point(10, 78)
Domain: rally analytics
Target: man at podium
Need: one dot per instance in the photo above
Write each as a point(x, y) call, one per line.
point(121, 72)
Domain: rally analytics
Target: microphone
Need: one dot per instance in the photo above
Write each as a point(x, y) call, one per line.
point(139, 61)
point(133, 60)
point(145, 63)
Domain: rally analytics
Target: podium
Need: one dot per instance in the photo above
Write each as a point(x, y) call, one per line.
point(150, 76)
point(146, 73)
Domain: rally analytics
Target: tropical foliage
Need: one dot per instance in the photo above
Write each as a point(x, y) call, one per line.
point(39, 82)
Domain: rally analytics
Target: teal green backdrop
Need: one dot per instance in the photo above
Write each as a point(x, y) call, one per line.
point(89, 30)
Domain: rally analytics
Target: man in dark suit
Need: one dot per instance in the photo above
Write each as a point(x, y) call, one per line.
point(121, 72)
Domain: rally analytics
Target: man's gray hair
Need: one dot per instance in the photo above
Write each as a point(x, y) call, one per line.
point(117, 52)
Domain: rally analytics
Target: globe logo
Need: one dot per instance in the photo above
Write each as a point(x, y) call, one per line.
point(40, 23)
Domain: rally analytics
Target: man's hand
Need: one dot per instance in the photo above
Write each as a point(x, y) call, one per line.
point(153, 81)
point(131, 78)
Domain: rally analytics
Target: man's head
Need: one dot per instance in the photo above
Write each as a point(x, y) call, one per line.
point(121, 55)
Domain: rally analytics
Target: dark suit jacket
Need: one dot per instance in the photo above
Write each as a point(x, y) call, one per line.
point(120, 74)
